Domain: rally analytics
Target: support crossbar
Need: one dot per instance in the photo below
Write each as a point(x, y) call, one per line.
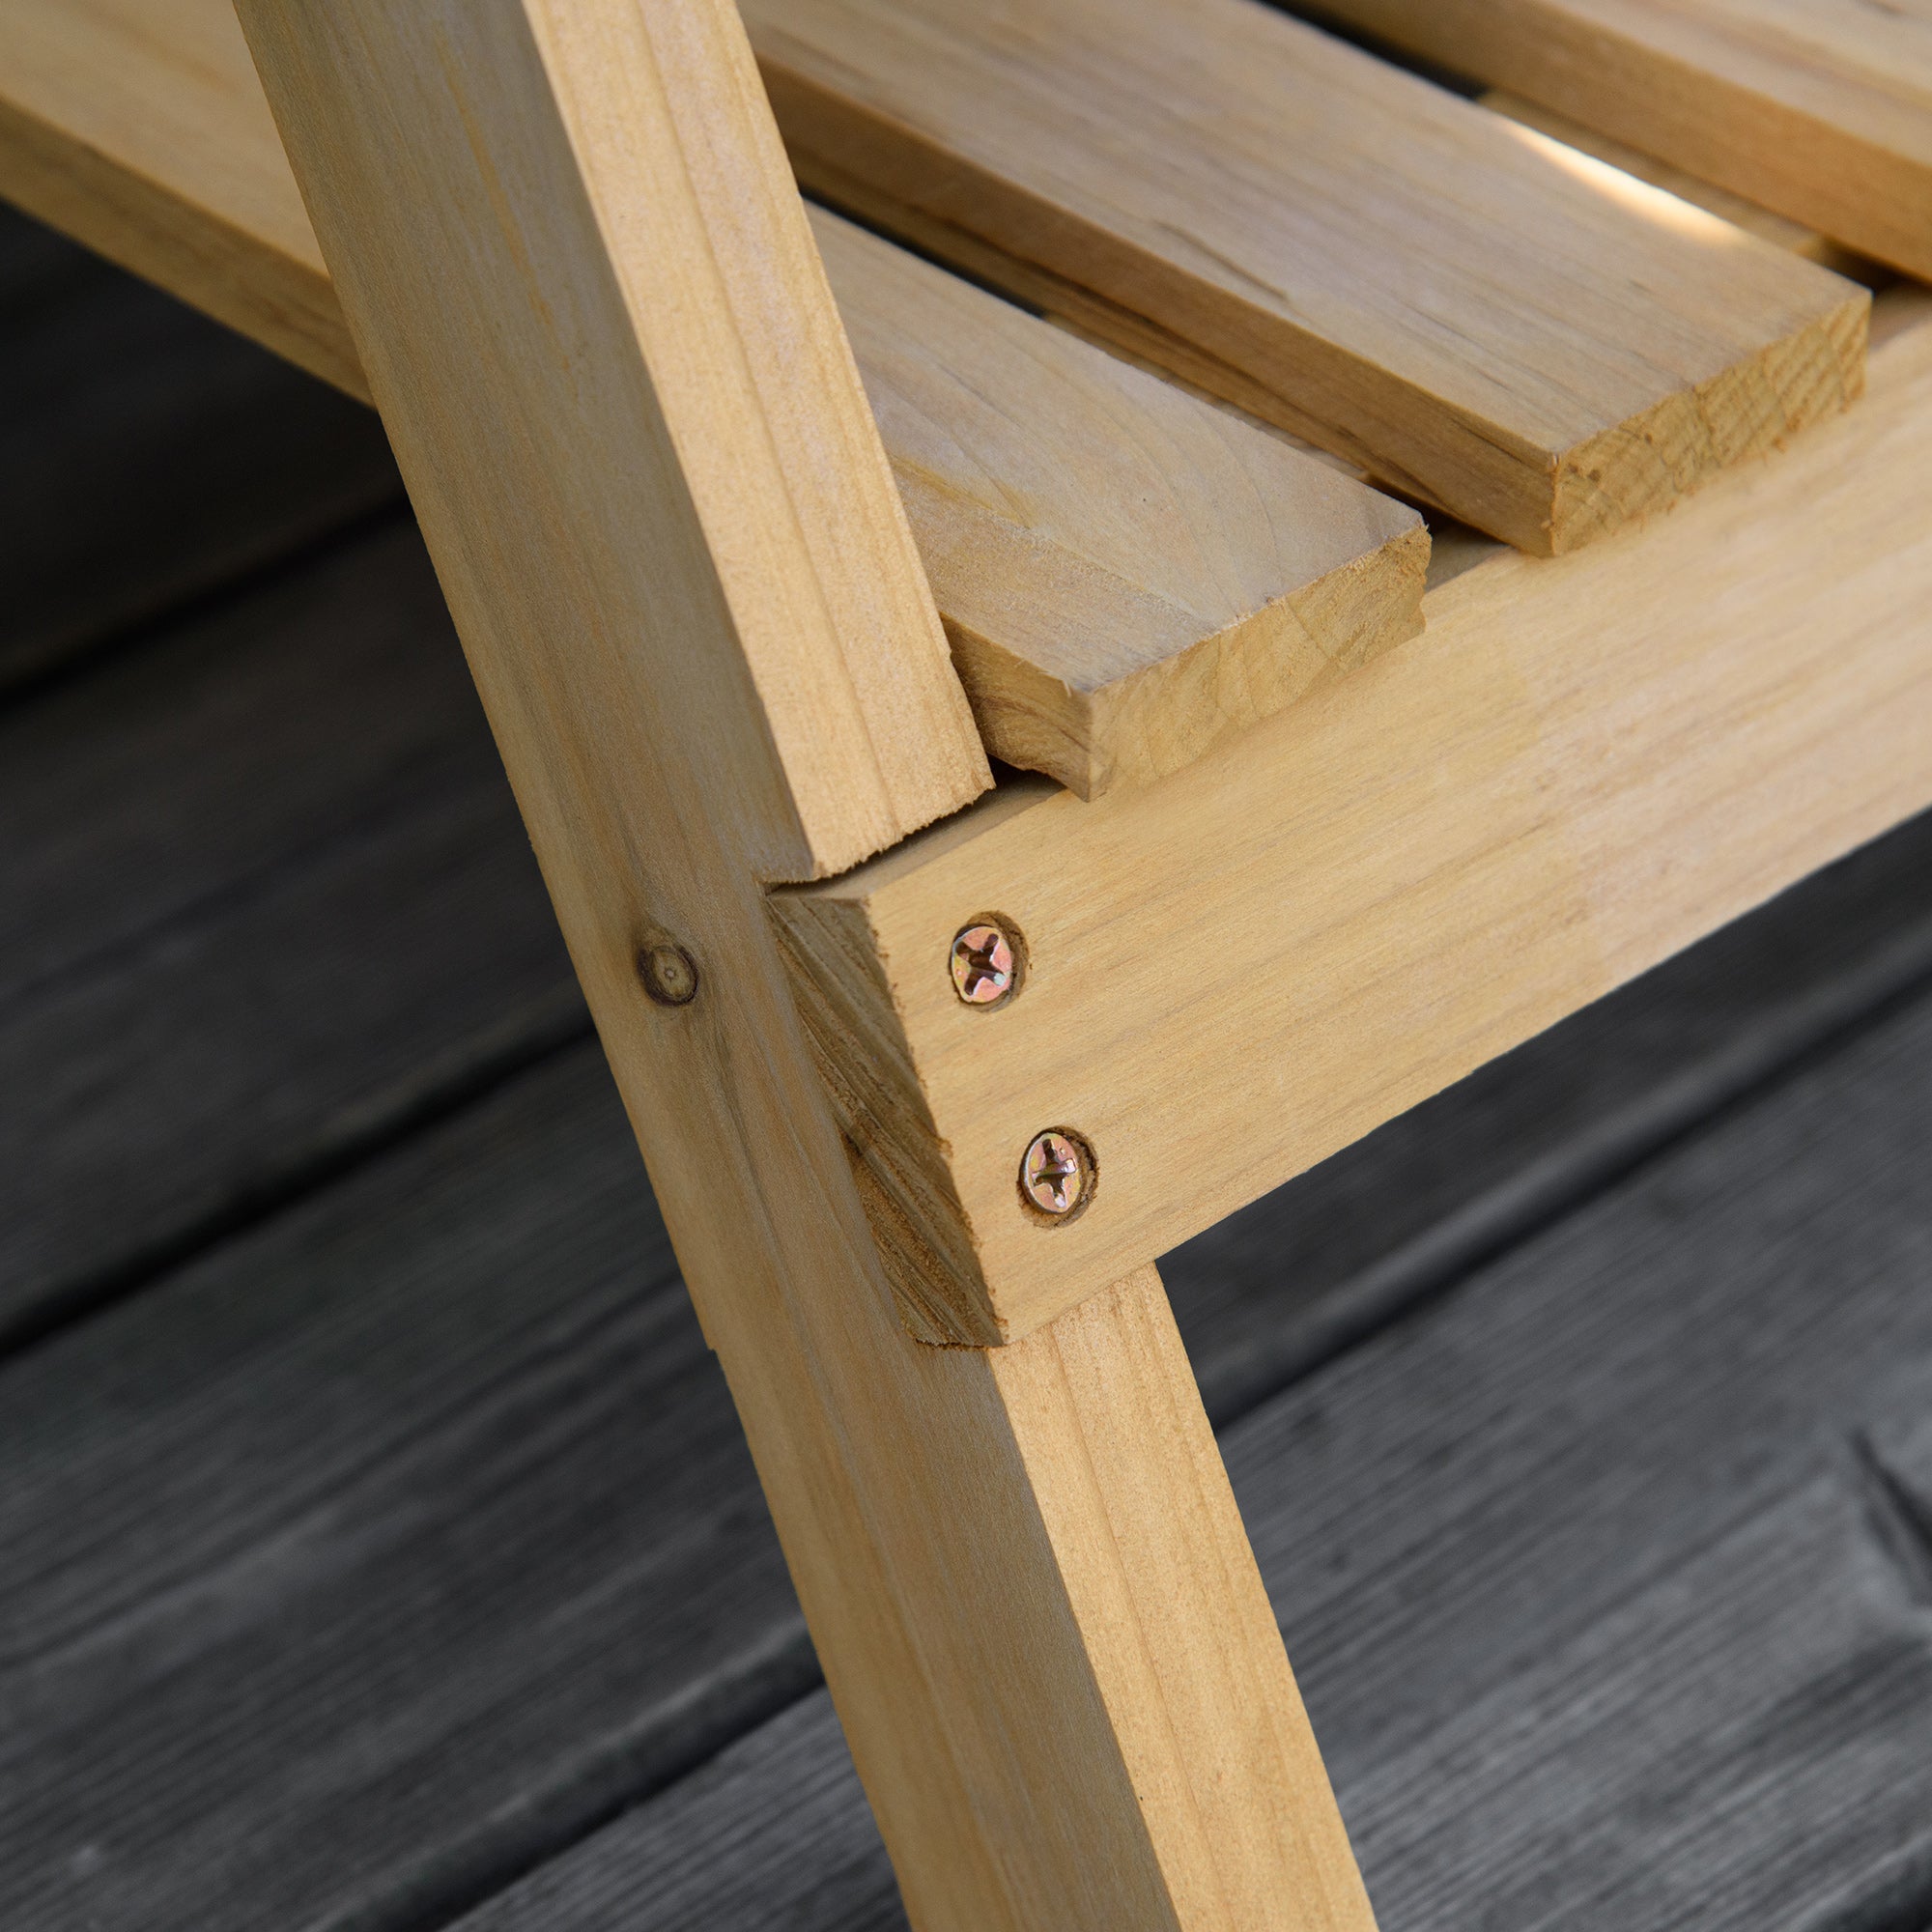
point(1583, 766)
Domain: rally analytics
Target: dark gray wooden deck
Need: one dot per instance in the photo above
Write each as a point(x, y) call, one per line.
point(378, 1551)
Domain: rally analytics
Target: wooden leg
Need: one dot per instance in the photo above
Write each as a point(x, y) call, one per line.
point(582, 285)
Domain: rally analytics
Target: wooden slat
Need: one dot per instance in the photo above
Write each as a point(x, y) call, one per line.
point(544, 219)
point(1126, 576)
point(1779, 230)
point(1375, 1230)
point(146, 455)
point(1820, 110)
point(1546, 351)
point(1585, 764)
point(745, 411)
point(1608, 1625)
point(138, 126)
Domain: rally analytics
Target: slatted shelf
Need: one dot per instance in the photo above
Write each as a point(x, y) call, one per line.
point(379, 1544)
point(1107, 629)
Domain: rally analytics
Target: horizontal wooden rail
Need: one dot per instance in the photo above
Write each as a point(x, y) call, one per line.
point(1544, 349)
point(1822, 112)
point(1585, 764)
point(1128, 575)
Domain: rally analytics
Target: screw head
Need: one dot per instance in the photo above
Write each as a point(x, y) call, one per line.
point(985, 967)
point(1057, 1174)
point(669, 974)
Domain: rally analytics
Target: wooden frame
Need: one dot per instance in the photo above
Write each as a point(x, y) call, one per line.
point(558, 244)
point(668, 541)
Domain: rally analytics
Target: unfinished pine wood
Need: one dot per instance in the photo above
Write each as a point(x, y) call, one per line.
point(731, 396)
point(138, 126)
point(1792, 236)
point(1126, 576)
point(1820, 110)
point(506, 193)
point(1585, 764)
point(1338, 246)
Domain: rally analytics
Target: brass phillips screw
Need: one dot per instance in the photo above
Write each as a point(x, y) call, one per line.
point(1057, 1174)
point(985, 965)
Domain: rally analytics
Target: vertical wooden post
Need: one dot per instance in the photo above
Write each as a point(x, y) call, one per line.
point(582, 285)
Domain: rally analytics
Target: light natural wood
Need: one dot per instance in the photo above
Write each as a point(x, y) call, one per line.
point(509, 190)
point(729, 482)
point(1792, 236)
point(1583, 765)
point(1126, 576)
point(1820, 110)
point(138, 126)
point(1338, 246)
point(1153, 1553)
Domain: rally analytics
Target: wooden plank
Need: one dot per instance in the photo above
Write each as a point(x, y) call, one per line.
point(1338, 246)
point(147, 456)
point(516, 188)
point(138, 126)
point(1584, 765)
point(1820, 110)
point(746, 410)
point(265, 901)
point(1792, 236)
point(1613, 1631)
point(1400, 1215)
point(1126, 575)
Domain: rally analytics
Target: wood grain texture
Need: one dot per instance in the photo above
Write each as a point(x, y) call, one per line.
point(1779, 230)
point(138, 126)
point(147, 456)
point(1607, 1561)
point(1399, 1216)
point(423, 1537)
point(1126, 576)
point(1544, 351)
point(488, 181)
point(1820, 110)
point(1584, 765)
point(690, 432)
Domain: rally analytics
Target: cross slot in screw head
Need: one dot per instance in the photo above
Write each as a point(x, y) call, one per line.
point(1057, 1174)
point(985, 966)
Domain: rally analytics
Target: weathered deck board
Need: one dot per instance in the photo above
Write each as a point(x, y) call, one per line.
point(147, 455)
point(263, 896)
point(1608, 1580)
point(422, 1536)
